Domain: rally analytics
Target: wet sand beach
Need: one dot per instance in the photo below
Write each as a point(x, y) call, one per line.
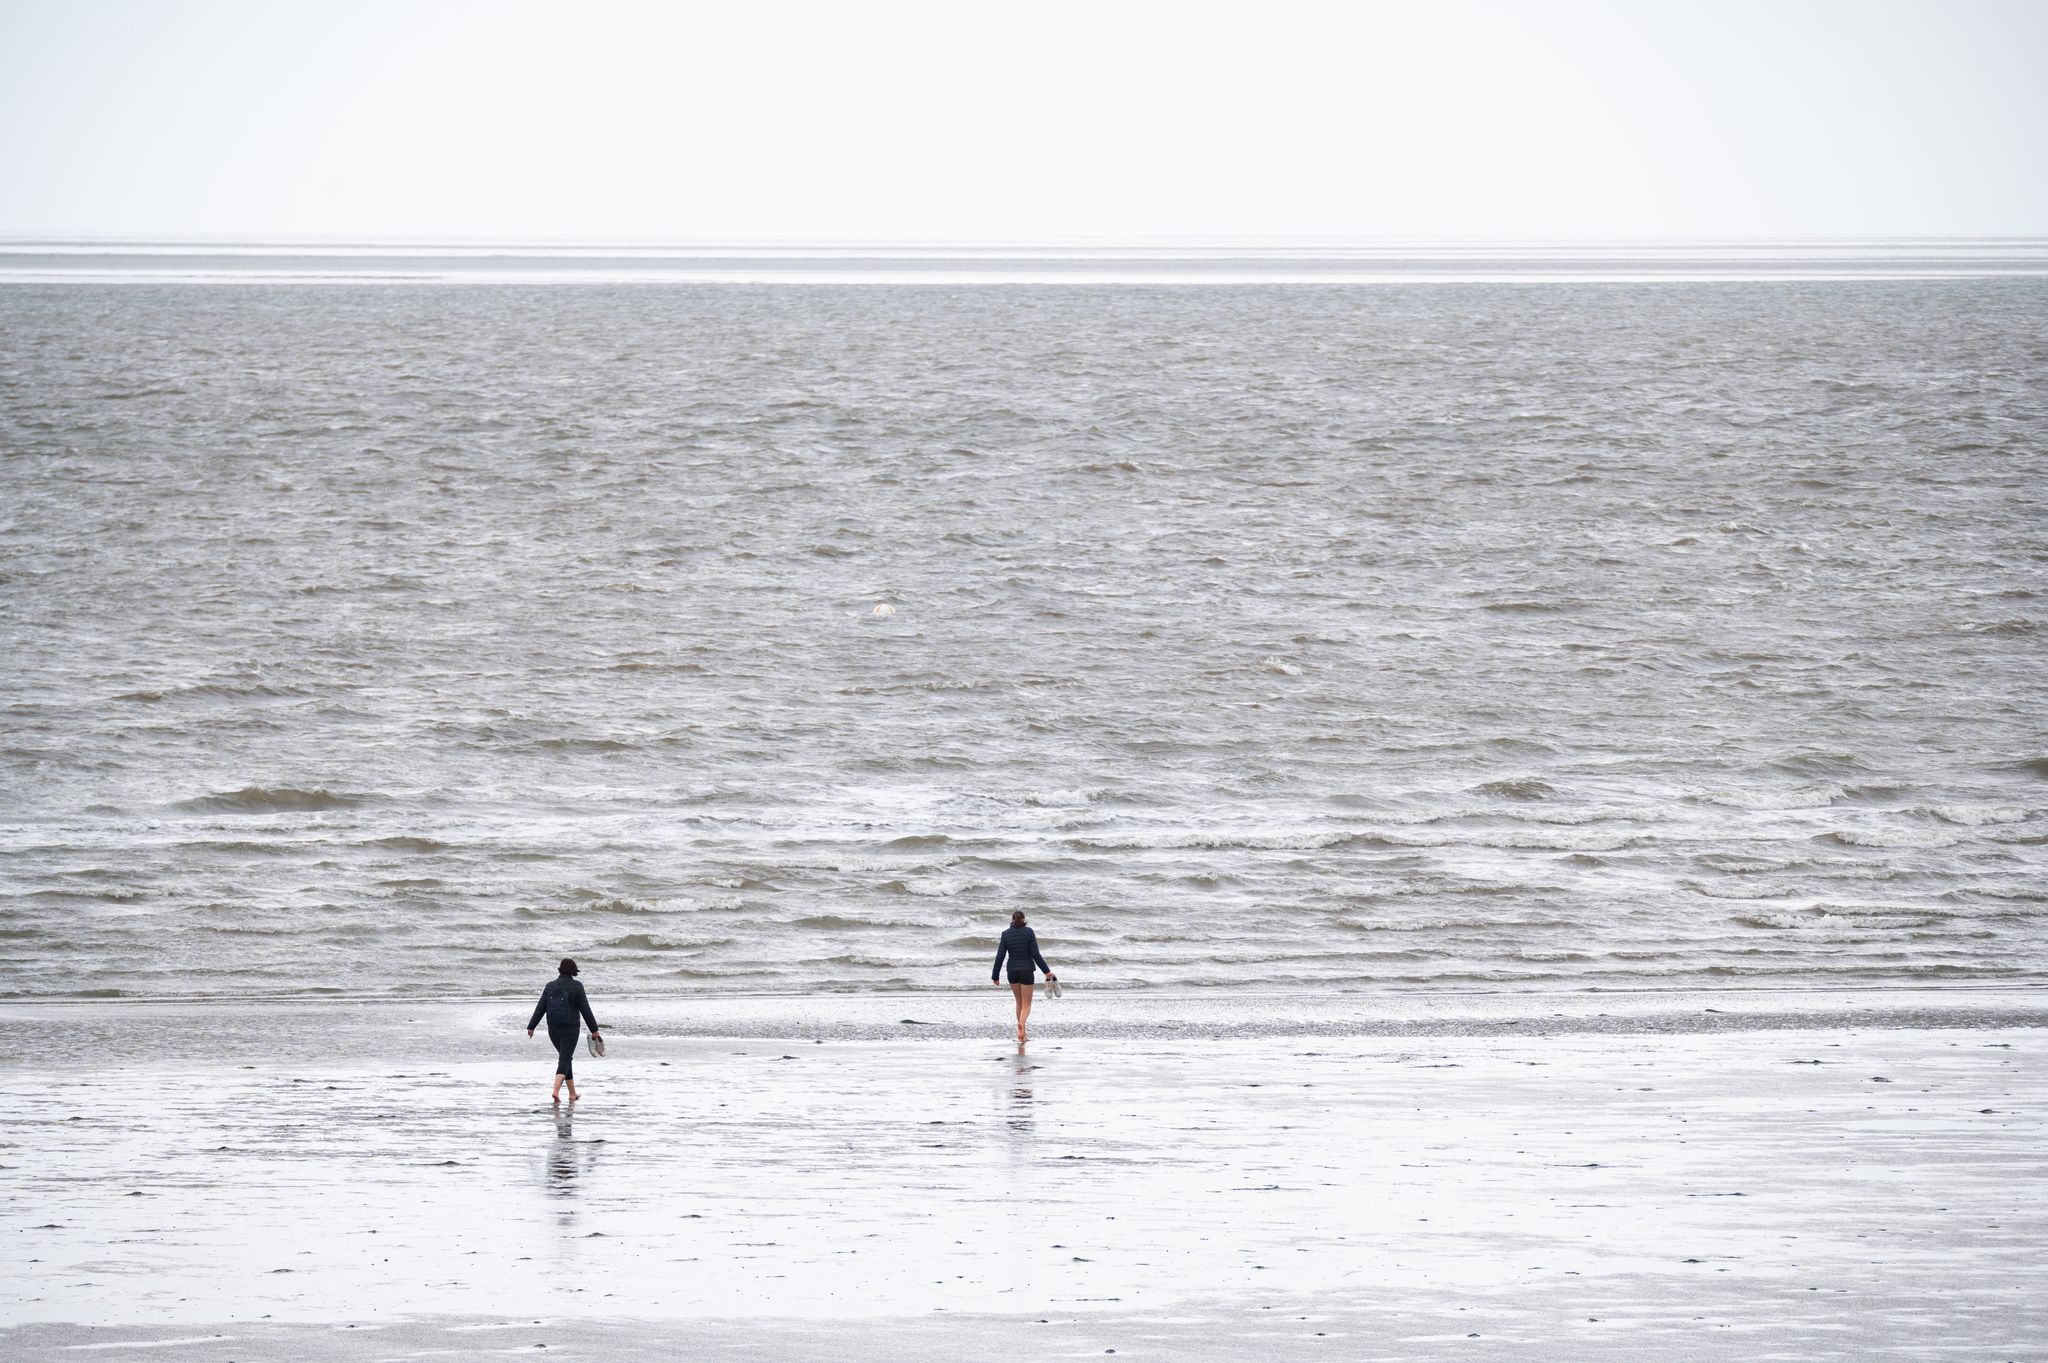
point(1697, 1175)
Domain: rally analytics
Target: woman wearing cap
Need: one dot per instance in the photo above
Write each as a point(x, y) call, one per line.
point(563, 1001)
point(1020, 944)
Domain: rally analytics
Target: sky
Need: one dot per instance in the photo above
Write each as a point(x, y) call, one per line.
point(894, 121)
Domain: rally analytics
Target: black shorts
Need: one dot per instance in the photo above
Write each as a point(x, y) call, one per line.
point(1028, 977)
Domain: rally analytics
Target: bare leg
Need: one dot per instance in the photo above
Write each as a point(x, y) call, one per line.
point(1023, 993)
point(555, 1093)
point(565, 1061)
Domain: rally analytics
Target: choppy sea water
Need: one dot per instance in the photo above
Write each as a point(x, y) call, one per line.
point(367, 639)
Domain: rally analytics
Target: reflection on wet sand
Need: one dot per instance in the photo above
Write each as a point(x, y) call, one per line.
point(1538, 1179)
point(1019, 1115)
point(568, 1158)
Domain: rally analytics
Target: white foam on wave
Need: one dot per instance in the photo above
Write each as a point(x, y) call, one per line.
point(1893, 838)
point(1980, 816)
point(941, 889)
point(1772, 798)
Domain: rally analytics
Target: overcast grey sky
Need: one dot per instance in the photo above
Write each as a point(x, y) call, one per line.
point(904, 121)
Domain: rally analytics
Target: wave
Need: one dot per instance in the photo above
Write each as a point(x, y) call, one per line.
point(246, 930)
point(1170, 841)
point(112, 894)
point(941, 685)
point(636, 665)
point(927, 889)
point(641, 941)
point(1977, 816)
point(258, 690)
point(737, 882)
point(2027, 890)
point(1524, 788)
point(1206, 880)
point(1802, 797)
point(1822, 764)
point(1456, 924)
point(1528, 607)
point(1064, 799)
point(277, 848)
point(833, 922)
point(1012, 865)
point(1870, 837)
point(274, 800)
point(1747, 864)
point(1744, 890)
point(1779, 922)
point(1903, 969)
point(859, 962)
point(408, 843)
point(1539, 839)
point(604, 904)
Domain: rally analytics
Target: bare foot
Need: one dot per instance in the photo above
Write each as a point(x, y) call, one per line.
point(574, 1095)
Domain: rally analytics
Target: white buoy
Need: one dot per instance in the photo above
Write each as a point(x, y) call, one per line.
point(884, 609)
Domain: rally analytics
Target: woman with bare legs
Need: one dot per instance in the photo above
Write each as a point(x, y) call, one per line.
point(1020, 945)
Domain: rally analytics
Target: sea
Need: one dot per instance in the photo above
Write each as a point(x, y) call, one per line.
point(391, 621)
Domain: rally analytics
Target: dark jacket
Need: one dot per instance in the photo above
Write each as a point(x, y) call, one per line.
point(561, 1001)
point(1020, 944)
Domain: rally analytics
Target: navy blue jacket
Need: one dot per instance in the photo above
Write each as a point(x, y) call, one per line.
point(1020, 944)
point(561, 1001)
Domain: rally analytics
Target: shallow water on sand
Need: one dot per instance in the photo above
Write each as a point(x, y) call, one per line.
point(372, 640)
point(1832, 1193)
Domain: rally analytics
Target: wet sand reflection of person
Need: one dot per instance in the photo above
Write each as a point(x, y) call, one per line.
point(568, 1158)
point(1020, 1120)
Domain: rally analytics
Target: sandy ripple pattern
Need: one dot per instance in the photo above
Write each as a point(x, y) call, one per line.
point(386, 640)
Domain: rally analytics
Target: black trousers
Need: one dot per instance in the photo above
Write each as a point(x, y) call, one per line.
point(565, 1039)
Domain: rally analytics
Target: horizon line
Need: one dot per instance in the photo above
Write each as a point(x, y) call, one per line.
point(1192, 242)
